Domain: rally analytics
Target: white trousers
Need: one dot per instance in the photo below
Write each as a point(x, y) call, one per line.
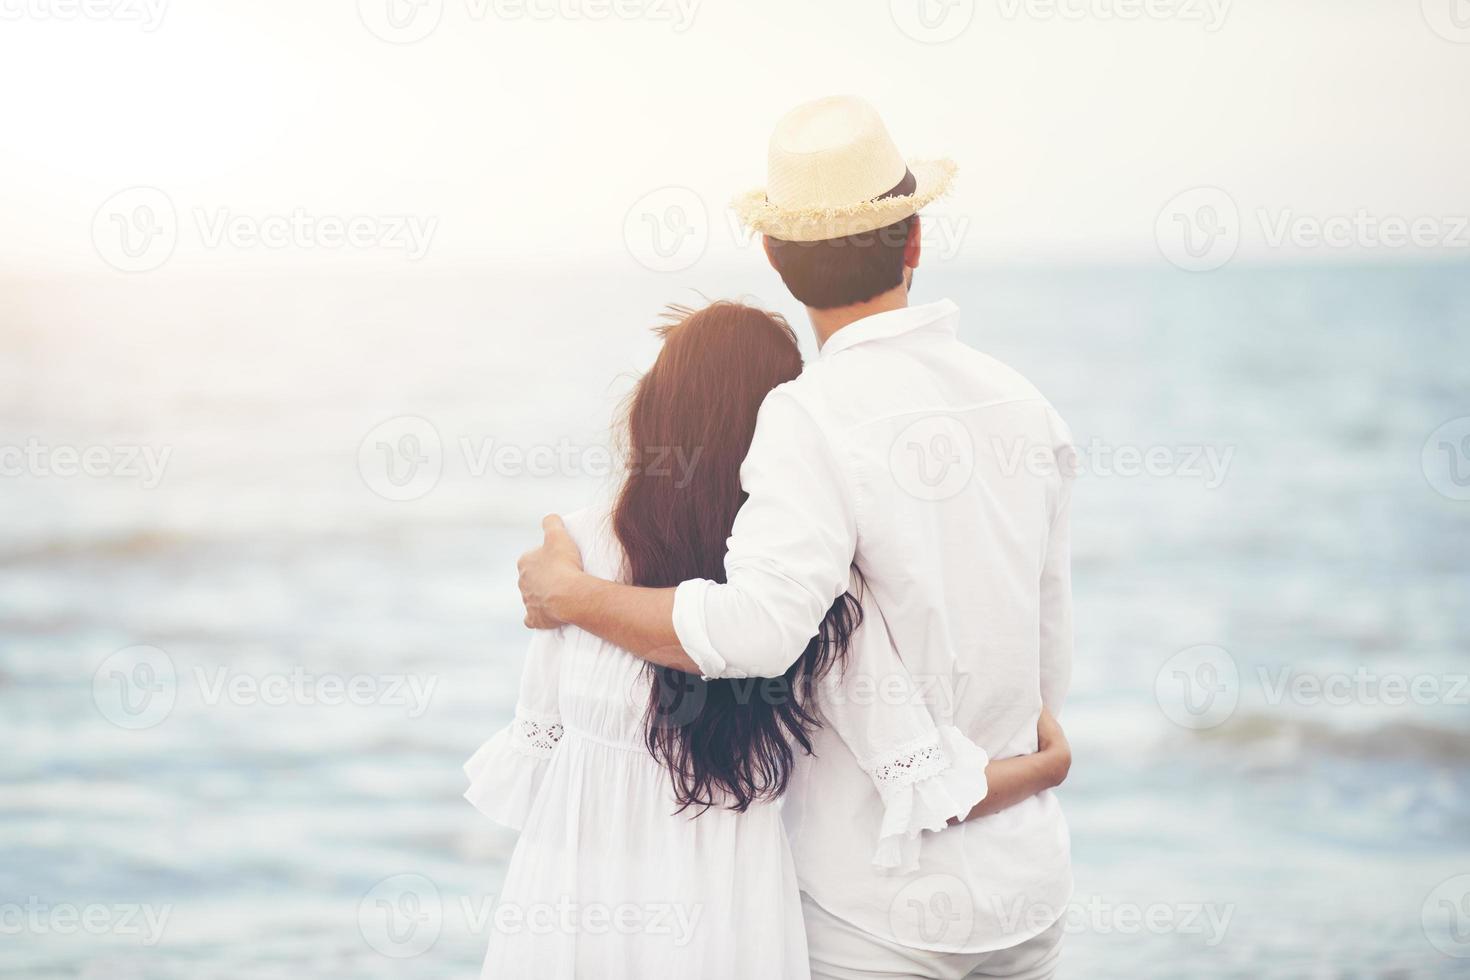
point(842, 951)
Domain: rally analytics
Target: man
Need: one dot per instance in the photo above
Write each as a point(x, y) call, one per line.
point(944, 476)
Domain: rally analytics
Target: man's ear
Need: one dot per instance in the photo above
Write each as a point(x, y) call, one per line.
point(766, 244)
point(912, 247)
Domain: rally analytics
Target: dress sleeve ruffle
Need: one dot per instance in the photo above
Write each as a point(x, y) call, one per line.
point(506, 772)
point(922, 787)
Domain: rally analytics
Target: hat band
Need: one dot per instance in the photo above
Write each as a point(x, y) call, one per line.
point(903, 188)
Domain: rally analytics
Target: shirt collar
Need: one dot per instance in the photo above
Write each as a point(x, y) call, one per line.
point(891, 323)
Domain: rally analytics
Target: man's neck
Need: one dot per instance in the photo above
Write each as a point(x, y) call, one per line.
point(825, 323)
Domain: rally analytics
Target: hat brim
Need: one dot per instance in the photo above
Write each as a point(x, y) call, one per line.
point(932, 179)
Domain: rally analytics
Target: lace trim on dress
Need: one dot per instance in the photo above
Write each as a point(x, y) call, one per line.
point(535, 736)
point(920, 762)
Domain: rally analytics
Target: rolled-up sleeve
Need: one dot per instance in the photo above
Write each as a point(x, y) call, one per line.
point(790, 553)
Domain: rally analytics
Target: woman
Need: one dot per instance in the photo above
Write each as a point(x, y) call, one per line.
point(651, 844)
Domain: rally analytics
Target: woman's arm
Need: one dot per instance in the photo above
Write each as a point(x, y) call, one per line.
point(507, 772)
point(1019, 778)
point(789, 557)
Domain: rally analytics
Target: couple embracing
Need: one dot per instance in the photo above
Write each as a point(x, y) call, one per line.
point(792, 714)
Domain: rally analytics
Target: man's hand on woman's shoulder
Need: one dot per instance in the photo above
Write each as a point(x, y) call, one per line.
point(547, 573)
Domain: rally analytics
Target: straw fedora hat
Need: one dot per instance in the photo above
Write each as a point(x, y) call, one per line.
point(832, 170)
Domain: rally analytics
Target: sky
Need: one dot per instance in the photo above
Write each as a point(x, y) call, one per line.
point(523, 132)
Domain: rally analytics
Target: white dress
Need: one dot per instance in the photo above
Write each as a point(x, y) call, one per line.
point(607, 880)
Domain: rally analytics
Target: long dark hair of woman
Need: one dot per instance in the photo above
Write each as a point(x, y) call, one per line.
point(689, 424)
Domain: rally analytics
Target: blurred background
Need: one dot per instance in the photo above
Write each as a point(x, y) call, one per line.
point(308, 312)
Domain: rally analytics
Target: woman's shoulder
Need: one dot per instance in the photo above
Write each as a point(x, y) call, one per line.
point(591, 528)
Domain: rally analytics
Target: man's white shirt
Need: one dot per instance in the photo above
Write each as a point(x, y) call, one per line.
point(945, 477)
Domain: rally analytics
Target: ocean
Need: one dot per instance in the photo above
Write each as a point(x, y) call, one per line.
point(257, 605)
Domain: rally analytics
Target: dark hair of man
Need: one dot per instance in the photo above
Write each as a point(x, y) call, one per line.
point(836, 272)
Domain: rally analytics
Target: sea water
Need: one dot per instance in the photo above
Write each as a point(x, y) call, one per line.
point(237, 682)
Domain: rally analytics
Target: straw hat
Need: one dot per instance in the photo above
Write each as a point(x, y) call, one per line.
point(833, 171)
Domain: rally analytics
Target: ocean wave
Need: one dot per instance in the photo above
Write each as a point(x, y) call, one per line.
point(1262, 736)
point(133, 544)
point(154, 543)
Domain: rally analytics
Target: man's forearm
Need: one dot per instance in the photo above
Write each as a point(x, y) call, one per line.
point(637, 619)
